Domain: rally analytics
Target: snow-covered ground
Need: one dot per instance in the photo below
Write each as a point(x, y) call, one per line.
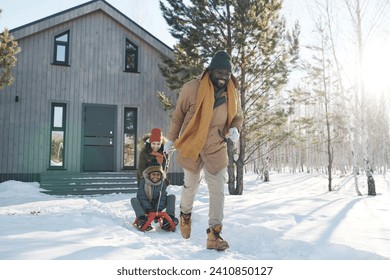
point(292, 217)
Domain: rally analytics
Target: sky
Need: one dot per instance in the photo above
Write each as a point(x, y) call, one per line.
point(291, 218)
point(19, 12)
point(148, 15)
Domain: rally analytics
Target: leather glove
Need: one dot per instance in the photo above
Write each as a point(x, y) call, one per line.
point(233, 134)
point(168, 147)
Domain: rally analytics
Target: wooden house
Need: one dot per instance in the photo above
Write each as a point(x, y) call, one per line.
point(85, 91)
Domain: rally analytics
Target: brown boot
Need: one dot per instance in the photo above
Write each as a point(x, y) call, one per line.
point(214, 240)
point(185, 225)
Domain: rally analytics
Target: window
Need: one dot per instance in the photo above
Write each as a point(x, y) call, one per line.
point(57, 136)
point(131, 63)
point(130, 138)
point(61, 49)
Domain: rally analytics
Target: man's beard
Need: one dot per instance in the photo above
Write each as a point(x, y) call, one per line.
point(219, 82)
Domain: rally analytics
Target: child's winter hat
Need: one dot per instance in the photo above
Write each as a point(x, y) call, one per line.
point(155, 135)
point(221, 60)
point(154, 166)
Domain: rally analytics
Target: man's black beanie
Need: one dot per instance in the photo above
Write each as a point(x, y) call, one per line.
point(222, 61)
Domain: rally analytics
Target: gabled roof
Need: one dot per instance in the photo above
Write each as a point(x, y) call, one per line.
point(84, 9)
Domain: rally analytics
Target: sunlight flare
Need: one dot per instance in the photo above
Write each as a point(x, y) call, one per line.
point(376, 61)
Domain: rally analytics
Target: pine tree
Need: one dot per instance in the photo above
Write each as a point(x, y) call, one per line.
point(8, 50)
point(263, 53)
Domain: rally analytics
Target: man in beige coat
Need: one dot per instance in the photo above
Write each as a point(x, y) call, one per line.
point(207, 111)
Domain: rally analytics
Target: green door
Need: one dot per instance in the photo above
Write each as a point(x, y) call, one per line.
point(99, 138)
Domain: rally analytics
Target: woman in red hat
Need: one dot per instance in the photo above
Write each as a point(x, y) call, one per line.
point(151, 147)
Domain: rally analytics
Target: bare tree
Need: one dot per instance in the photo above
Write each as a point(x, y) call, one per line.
point(365, 25)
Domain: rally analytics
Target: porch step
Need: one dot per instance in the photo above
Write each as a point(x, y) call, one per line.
point(91, 183)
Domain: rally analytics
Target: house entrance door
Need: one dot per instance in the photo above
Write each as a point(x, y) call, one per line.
point(99, 137)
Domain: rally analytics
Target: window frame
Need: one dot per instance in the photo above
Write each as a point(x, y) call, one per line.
point(58, 129)
point(58, 44)
point(134, 133)
point(130, 52)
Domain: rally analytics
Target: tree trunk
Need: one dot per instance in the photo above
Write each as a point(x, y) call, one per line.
point(329, 146)
point(236, 184)
point(370, 180)
point(230, 169)
point(240, 178)
point(266, 169)
point(363, 93)
point(265, 160)
point(355, 173)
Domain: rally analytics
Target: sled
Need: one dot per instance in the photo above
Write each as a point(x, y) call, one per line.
point(156, 217)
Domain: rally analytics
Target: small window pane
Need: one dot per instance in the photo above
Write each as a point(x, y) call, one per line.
point(57, 136)
point(60, 55)
point(63, 38)
point(130, 61)
point(58, 116)
point(61, 49)
point(131, 56)
point(57, 145)
point(130, 138)
point(129, 150)
point(130, 46)
point(130, 121)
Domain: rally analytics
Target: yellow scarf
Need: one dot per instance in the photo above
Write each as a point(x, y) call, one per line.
point(194, 136)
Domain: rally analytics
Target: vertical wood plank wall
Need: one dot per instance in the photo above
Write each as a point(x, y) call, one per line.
point(95, 76)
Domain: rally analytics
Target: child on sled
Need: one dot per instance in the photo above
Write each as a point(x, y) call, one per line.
point(152, 196)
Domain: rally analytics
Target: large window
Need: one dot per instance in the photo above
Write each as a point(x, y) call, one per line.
point(57, 136)
point(131, 63)
point(61, 49)
point(130, 138)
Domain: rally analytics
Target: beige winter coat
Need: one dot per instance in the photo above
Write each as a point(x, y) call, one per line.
point(214, 153)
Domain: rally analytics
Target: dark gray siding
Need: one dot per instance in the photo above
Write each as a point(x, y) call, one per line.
point(95, 76)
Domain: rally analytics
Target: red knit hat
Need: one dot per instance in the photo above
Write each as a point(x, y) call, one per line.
point(155, 135)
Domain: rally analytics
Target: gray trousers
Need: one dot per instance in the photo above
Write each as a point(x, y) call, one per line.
point(215, 184)
point(139, 211)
